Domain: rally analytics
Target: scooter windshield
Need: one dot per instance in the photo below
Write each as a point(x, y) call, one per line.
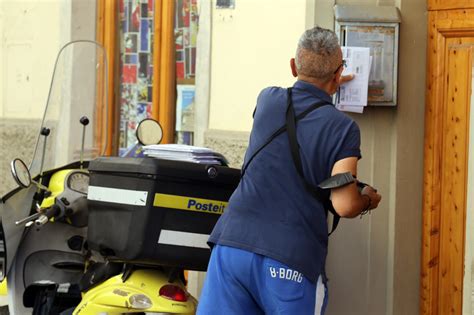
point(74, 124)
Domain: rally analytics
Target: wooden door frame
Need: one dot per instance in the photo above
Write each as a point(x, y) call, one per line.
point(443, 24)
point(164, 80)
point(449, 4)
point(106, 35)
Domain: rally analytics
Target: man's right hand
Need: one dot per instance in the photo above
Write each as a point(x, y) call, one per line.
point(374, 197)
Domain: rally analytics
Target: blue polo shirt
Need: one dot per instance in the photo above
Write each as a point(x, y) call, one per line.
point(271, 213)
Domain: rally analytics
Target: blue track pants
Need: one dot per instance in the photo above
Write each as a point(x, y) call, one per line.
point(241, 282)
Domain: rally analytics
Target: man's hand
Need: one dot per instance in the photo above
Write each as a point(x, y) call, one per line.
point(374, 197)
point(346, 78)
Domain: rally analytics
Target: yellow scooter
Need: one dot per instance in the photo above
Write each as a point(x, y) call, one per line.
point(53, 247)
point(134, 289)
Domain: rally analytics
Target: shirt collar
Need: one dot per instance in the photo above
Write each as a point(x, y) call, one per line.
point(308, 87)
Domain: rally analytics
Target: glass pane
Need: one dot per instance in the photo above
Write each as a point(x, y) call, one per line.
point(186, 29)
point(382, 43)
point(136, 66)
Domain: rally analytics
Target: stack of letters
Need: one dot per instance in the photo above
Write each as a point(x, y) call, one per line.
point(352, 96)
point(187, 153)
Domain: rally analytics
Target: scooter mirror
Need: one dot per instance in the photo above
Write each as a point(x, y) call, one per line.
point(149, 131)
point(20, 173)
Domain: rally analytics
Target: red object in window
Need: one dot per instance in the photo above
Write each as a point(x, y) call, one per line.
point(136, 17)
point(151, 8)
point(129, 74)
point(186, 14)
point(180, 70)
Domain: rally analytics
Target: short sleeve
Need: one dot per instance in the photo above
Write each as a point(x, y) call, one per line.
point(350, 146)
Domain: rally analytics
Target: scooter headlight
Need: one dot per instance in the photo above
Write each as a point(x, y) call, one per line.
point(140, 301)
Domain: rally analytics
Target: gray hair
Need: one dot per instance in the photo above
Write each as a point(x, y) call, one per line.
point(317, 53)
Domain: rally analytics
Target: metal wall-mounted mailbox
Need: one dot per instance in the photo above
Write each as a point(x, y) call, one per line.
point(376, 27)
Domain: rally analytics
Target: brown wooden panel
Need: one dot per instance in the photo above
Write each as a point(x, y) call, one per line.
point(454, 169)
point(444, 170)
point(450, 4)
point(431, 187)
point(453, 23)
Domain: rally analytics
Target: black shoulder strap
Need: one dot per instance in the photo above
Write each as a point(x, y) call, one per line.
point(316, 192)
point(279, 131)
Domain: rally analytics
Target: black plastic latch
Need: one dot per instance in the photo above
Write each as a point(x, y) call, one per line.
point(338, 180)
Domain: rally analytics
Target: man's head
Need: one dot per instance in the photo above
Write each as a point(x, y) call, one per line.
point(318, 58)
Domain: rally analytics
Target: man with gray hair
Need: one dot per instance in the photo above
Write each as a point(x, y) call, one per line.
point(270, 245)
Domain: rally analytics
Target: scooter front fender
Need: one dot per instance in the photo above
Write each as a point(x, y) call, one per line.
point(116, 297)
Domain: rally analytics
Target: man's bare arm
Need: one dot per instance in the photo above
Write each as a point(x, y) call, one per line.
point(347, 200)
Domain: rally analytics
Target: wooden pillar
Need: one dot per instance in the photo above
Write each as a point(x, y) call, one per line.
point(164, 82)
point(107, 12)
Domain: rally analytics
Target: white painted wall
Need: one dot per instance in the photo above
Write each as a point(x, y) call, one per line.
point(251, 48)
point(31, 35)
point(33, 32)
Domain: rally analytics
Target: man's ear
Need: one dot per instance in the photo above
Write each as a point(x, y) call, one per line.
point(338, 75)
point(293, 67)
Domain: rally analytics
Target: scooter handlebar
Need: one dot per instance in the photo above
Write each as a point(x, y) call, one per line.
point(49, 213)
